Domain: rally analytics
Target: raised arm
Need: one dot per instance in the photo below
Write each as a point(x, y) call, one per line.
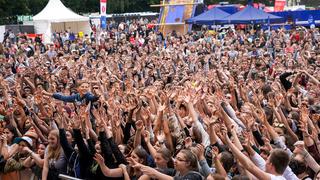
point(246, 162)
point(117, 172)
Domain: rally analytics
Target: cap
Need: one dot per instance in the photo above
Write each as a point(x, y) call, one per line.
point(25, 139)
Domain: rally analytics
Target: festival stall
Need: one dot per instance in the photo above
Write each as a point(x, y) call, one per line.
point(208, 17)
point(55, 17)
point(250, 15)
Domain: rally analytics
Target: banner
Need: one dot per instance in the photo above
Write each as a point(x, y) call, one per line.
point(103, 14)
point(311, 22)
point(279, 5)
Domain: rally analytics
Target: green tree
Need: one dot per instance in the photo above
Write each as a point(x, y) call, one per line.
point(36, 6)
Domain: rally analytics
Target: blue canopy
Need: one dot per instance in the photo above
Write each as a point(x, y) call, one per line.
point(250, 15)
point(208, 17)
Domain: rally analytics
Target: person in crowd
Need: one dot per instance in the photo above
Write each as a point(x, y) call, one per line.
point(130, 102)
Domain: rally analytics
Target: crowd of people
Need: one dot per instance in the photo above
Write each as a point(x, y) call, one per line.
point(132, 103)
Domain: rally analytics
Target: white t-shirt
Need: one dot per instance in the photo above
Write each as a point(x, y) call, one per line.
point(273, 177)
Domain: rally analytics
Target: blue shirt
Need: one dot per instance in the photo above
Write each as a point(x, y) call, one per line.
point(76, 98)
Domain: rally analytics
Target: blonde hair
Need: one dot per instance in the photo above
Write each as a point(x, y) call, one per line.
point(54, 152)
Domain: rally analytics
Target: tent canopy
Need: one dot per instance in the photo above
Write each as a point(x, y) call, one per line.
point(250, 15)
point(208, 17)
point(55, 11)
point(55, 17)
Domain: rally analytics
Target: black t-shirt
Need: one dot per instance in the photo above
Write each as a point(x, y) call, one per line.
point(168, 171)
point(192, 175)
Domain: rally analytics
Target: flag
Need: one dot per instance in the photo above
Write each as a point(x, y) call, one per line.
point(311, 21)
point(103, 14)
point(279, 5)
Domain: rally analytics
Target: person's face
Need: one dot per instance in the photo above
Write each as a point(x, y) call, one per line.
point(22, 144)
point(135, 157)
point(52, 140)
point(27, 124)
point(182, 112)
point(160, 161)
point(41, 149)
point(69, 137)
point(83, 88)
point(27, 91)
point(180, 162)
point(9, 134)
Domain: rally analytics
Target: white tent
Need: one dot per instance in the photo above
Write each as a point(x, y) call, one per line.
point(55, 17)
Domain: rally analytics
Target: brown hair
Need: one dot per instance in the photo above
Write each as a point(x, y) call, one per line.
point(141, 153)
point(279, 159)
point(191, 158)
point(166, 154)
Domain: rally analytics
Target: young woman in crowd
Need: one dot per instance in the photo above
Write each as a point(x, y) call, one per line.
point(132, 103)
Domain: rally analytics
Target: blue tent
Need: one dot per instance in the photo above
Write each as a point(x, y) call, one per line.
point(250, 15)
point(208, 17)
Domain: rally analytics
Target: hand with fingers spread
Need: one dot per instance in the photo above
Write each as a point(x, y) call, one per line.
point(162, 107)
point(99, 159)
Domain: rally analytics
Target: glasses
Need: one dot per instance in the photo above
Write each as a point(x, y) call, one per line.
point(180, 159)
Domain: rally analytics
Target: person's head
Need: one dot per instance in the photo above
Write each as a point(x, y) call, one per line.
point(277, 162)
point(297, 165)
point(53, 139)
point(41, 149)
point(182, 110)
point(23, 142)
point(54, 147)
point(69, 136)
point(163, 158)
point(11, 133)
point(227, 160)
point(139, 155)
point(186, 161)
point(83, 87)
point(97, 147)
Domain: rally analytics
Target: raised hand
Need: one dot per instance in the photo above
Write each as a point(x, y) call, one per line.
point(139, 125)
point(162, 107)
point(132, 162)
point(214, 152)
point(304, 114)
point(200, 151)
point(188, 142)
point(99, 159)
point(146, 136)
